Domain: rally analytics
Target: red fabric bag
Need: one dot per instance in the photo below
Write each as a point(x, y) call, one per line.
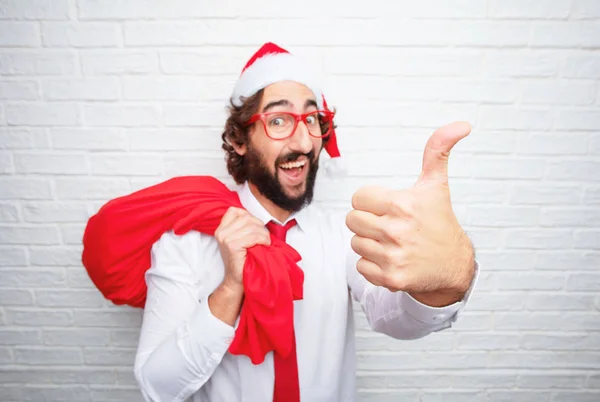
point(117, 245)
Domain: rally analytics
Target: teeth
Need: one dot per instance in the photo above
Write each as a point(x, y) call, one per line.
point(292, 165)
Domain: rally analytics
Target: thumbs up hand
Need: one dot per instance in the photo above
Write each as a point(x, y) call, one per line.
point(410, 240)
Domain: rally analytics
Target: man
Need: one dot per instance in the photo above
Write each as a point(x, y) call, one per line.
point(401, 255)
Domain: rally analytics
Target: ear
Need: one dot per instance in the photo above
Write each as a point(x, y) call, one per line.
point(239, 149)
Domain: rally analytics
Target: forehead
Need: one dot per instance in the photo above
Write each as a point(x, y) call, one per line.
point(294, 92)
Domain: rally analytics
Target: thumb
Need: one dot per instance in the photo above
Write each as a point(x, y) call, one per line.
point(437, 151)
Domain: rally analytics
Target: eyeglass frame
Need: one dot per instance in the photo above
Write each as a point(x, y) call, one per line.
point(297, 117)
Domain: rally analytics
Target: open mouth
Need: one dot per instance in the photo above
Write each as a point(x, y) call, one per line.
point(295, 171)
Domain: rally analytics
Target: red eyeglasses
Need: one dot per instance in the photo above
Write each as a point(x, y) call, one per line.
point(281, 125)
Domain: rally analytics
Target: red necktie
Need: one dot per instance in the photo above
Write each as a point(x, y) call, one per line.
point(287, 388)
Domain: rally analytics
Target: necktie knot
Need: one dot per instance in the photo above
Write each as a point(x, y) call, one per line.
point(280, 231)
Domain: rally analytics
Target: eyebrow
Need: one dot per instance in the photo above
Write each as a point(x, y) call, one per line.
point(285, 102)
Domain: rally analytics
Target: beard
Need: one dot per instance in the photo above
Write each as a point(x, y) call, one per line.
point(269, 185)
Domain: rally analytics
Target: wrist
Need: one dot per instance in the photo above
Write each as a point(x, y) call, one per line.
point(232, 287)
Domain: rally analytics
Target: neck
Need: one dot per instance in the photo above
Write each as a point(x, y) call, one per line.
point(278, 213)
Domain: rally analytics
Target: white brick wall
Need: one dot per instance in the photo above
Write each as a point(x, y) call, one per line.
point(99, 98)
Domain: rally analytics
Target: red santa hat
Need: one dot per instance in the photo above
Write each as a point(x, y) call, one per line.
point(271, 64)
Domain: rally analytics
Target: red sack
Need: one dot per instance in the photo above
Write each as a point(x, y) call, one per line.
point(117, 245)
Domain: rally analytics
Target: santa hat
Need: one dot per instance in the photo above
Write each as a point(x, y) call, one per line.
point(271, 64)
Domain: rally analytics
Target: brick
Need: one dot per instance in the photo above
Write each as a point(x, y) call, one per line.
point(53, 212)
point(95, 188)
point(494, 302)
point(440, 360)
point(485, 238)
point(585, 9)
point(15, 297)
point(591, 195)
point(104, 89)
point(39, 317)
point(124, 337)
point(582, 65)
point(28, 62)
point(105, 139)
point(539, 239)
point(18, 90)
point(27, 278)
point(557, 93)
point(109, 357)
point(176, 166)
point(452, 396)
point(173, 139)
point(72, 234)
point(511, 118)
point(594, 381)
point(587, 239)
point(125, 164)
point(176, 88)
point(518, 396)
point(538, 321)
point(6, 163)
point(496, 216)
point(78, 375)
point(78, 278)
point(45, 356)
point(555, 194)
point(69, 298)
point(11, 393)
point(481, 342)
point(35, 9)
point(9, 213)
point(473, 322)
point(21, 336)
point(543, 360)
point(95, 318)
point(57, 393)
point(583, 282)
point(505, 260)
point(594, 144)
point(207, 60)
point(569, 217)
point(370, 341)
point(42, 235)
point(579, 396)
point(113, 393)
point(76, 337)
point(567, 260)
point(51, 164)
point(62, 114)
point(566, 169)
point(21, 34)
point(559, 302)
point(118, 62)
point(529, 9)
point(6, 356)
point(577, 120)
point(13, 257)
point(508, 168)
point(81, 34)
point(566, 35)
point(530, 281)
point(123, 115)
point(23, 138)
point(520, 64)
point(17, 188)
point(405, 62)
point(550, 380)
point(53, 256)
point(480, 192)
point(554, 144)
point(200, 115)
point(387, 395)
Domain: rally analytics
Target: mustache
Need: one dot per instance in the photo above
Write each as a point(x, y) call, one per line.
point(293, 156)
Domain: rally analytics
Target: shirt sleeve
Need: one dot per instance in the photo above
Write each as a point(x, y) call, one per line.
point(398, 314)
point(181, 341)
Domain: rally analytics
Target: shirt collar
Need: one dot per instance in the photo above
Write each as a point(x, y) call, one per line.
point(252, 205)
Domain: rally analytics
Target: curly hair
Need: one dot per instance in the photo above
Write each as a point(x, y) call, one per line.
point(236, 131)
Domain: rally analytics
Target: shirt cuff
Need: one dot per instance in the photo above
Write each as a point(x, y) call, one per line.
point(436, 315)
point(215, 334)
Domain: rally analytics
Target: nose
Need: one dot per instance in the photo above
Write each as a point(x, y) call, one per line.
point(301, 140)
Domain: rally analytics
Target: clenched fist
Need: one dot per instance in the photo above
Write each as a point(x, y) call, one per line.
point(410, 240)
point(237, 232)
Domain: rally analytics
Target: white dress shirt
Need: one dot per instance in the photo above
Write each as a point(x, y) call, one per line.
point(183, 349)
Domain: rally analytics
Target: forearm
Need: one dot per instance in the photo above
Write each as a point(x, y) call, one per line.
point(226, 302)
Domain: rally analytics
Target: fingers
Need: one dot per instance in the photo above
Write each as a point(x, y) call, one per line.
point(437, 151)
point(368, 248)
point(239, 228)
point(371, 271)
point(373, 199)
point(365, 224)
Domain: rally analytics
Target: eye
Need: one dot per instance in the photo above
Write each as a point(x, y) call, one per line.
point(277, 121)
point(312, 119)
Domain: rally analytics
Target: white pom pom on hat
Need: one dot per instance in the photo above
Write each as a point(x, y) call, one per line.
point(270, 64)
